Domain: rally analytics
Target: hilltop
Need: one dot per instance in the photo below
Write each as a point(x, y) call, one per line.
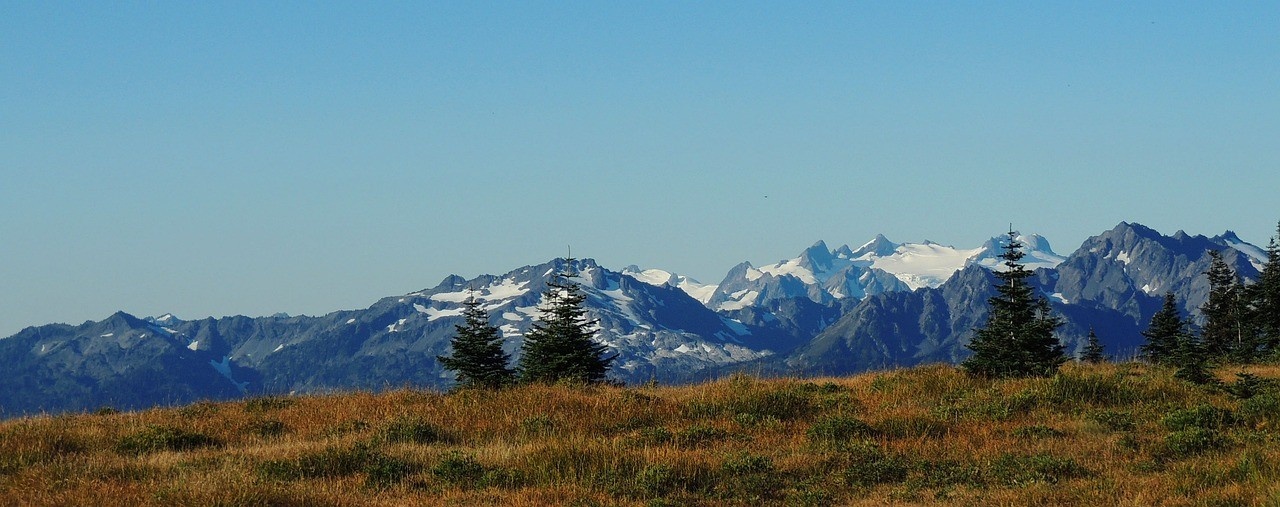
point(1092, 435)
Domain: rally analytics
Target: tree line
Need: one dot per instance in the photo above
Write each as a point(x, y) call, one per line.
point(1241, 324)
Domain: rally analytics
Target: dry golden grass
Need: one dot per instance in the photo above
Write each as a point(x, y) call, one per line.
point(1123, 434)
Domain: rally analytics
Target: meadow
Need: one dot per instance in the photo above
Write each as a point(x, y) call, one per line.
point(1111, 434)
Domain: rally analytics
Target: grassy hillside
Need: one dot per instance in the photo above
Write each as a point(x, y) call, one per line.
point(1104, 435)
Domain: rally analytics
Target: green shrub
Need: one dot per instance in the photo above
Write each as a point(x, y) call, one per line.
point(946, 473)
point(653, 435)
point(458, 469)
point(163, 438)
point(747, 464)
point(1190, 442)
point(331, 462)
point(657, 480)
point(838, 430)
point(1113, 420)
point(105, 411)
point(869, 465)
point(1206, 417)
point(699, 435)
point(750, 477)
point(1015, 470)
point(1261, 408)
point(380, 470)
point(411, 430)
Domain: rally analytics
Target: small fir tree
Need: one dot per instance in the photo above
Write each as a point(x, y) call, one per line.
point(1164, 332)
point(1093, 352)
point(561, 345)
point(1018, 338)
point(478, 357)
point(1193, 361)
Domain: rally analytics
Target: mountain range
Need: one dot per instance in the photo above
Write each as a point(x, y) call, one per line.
point(826, 311)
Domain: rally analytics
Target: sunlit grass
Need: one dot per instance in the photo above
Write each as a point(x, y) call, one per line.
point(1093, 435)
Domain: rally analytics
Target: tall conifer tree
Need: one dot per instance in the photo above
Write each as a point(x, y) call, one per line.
point(561, 345)
point(1223, 332)
point(1018, 339)
point(1164, 332)
point(478, 357)
point(1093, 352)
point(1266, 298)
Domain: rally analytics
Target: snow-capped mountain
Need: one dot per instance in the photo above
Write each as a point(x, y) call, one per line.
point(657, 331)
point(877, 266)
point(698, 290)
point(826, 311)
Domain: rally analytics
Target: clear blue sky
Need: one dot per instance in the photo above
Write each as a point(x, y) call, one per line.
point(217, 158)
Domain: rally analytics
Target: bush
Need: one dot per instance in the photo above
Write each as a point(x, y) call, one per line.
point(1262, 408)
point(657, 480)
point(266, 428)
point(163, 438)
point(838, 430)
point(380, 470)
point(1013, 470)
point(1206, 417)
point(750, 477)
point(946, 473)
point(331, 462)
point(700, 434)
point(1189, 442)
point(869, 465)
point(653, 435)
point(412, 430)
point(458, 469)
point(1114, 420)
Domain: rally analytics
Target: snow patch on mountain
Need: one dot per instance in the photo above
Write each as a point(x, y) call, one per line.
point(925, 264)
point(658, 278)
point(1257, 256)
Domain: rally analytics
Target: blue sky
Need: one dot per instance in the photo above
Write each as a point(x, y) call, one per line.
point(250, 158)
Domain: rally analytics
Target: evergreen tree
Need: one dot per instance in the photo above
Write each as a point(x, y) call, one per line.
point(560, 345)
point(1266, 298)
point(1018, 339)
point(1164, 332)
point(478, 357)
point(1093, 350)
point(1192, 360)
point(1223, 332)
